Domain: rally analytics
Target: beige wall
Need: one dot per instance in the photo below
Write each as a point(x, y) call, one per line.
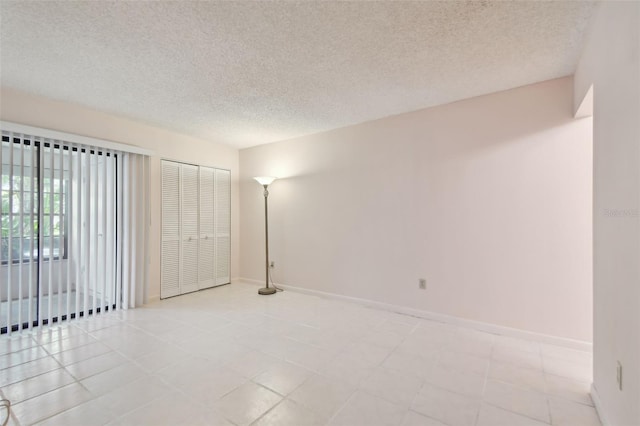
point(489, 199)
point(26, 109)
point(611, 62)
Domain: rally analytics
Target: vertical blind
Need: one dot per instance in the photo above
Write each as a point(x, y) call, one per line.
point(74, 237)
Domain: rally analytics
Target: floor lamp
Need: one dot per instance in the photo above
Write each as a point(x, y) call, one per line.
point(265, 181)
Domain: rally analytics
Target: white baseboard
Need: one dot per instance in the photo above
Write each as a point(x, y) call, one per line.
point(156, 298)
point(598, 404)
point(478, 325)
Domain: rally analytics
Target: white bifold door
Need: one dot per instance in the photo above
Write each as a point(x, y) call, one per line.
point(222, 196)
point(195, 228)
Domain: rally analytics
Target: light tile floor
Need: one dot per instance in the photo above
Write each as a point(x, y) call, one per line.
point(59, 302)
point(228, 356)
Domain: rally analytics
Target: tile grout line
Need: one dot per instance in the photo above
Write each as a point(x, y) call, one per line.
point(237, 302)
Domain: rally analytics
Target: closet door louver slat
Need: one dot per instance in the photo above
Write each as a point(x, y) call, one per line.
point(223, 225)
point(170, 263)
point(206, 261)
point(189, 228)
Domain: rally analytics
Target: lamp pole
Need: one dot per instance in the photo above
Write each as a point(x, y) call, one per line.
point(265, 181)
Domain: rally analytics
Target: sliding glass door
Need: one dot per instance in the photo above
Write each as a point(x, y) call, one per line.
point(58, 247)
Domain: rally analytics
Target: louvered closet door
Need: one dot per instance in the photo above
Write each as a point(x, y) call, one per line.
point(223, 225)
point(170, 269)
point(190, 233)
point(206, 262)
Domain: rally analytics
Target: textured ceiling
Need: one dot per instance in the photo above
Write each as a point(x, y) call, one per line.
point(246, 73)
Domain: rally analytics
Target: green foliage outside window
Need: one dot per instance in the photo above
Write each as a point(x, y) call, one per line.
point(16, 196)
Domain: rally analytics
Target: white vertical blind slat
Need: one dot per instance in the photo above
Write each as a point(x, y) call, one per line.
point(103, 232)
point(41, 282)
point(21, 243)
point(2, 144)
point(133, 212)
point(69, 193)
point(32, 229)
point(79, 240)
point(10, 257)
point(119, 234)
point(51, 243)
point(8, 279)
point(145, 229)
point(139, 230)
point(109, 236)
point(61, 234)
point(86, 225)
point(126, 251)
point(95, 243)
point(126, 276)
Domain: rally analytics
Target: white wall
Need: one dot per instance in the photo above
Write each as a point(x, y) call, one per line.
point(489, 199)
point(31, 110)
point(611, 62)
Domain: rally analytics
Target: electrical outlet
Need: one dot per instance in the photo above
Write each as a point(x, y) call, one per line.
point(619, 375)
point(272, 264)
point(422, 284)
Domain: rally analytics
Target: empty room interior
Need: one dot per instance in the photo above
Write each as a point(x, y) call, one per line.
point(320, 213)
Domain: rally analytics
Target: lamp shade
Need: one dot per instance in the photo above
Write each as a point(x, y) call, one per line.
point(265, 180)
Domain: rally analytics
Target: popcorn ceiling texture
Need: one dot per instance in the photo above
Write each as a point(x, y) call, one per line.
point(246, 73)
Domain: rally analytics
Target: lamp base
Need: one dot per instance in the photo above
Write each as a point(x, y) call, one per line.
point(267, 290)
